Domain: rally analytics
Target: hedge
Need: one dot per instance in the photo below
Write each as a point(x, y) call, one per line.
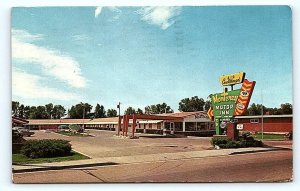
point(46, 148)
point(228, 143)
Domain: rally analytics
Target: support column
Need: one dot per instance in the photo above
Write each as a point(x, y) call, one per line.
point(217, 126)
point(133, 125)
point(124, 124)
point(183, 126)
point(232, 132)
point(119, 125)
point(127, 124)
point(164, 128)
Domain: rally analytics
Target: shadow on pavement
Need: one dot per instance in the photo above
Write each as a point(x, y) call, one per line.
point(44, 168)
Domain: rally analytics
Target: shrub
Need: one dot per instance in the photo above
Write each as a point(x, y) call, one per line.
point(17, 141)
point(242, 142)
point(219, 140)
point(74, 127)
point(46, 148)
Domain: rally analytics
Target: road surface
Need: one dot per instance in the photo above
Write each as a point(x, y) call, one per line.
point(255, 167)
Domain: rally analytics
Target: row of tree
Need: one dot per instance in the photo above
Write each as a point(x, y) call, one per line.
point(48, 111)
point(258, 109)
point(84, 110)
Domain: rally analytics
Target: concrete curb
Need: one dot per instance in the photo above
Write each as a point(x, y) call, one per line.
point(260, 151)
point(107, 161)
point(45, 168)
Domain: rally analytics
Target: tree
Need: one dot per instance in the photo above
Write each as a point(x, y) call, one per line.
point(58, 111)
point(129, 111)
point(49, 110)
point(286, 108)
point(207, 105)
point(191, 104)
point(99, 111)
point(38, 112)
point(158, 109)
point(21, 111)
point(112, 113)
point(32, 112)
point(256, 109)
point(41, 112)
point(81, 110)
point(14, 108)
point(274, 111)
point(26, 112)
point(139, 111)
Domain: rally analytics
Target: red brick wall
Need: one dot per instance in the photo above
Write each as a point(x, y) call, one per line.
point(270, 125)
point(43, 127)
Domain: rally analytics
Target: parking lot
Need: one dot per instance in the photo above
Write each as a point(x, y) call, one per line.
point(106, 144)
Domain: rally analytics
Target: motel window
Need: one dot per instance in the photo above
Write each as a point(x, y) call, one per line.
point(178, 126)
point(167, 125)
point(254, 121)
point(190, 126)
point(150, 126)
point(158, 125)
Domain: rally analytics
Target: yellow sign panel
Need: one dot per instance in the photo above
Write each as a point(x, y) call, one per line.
point(232, 79)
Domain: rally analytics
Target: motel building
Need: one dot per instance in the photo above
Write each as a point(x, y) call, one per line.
point(187, 123)
point(194, 123)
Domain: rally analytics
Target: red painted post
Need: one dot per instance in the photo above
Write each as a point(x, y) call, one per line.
point(232, 132)
point(133, 125)
point(119, 125)
point(124, 124)
point(127, 124)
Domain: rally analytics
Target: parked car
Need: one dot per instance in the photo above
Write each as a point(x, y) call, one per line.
point(23, 131)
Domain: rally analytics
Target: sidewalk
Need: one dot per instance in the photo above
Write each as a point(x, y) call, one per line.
point(134, 159)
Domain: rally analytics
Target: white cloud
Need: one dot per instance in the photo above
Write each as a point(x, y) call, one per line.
point(53, 63)
point(27, 85)
point(26, 36)
point(114, 9)
point(161, 16)
point(98, 11)
point(81, 37)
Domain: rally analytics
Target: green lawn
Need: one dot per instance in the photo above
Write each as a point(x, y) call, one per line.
point(269, 136)
point(22, 159)
point(72, 134)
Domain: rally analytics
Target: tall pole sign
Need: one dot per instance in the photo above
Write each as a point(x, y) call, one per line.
point(228, 104)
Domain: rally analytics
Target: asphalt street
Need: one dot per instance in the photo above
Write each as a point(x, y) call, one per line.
point(271, 166)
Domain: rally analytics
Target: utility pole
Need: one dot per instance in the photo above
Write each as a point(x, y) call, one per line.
point(262, 117)
point(119, 120)
point(119, 107)
point(83, 117)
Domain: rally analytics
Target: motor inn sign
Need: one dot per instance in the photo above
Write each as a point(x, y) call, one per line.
point(228, 104)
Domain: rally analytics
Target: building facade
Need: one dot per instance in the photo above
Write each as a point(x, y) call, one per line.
point(188, 123)
point(267, 123)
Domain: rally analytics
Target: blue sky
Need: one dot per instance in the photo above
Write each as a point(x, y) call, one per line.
point(148, 55)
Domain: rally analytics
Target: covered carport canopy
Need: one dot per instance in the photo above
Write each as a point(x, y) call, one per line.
point(134, 117)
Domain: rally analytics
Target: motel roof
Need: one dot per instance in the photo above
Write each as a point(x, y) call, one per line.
point(183, 114)
point(107, 120)
point(264, 116)
point(114, 120)
point(56, 121)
